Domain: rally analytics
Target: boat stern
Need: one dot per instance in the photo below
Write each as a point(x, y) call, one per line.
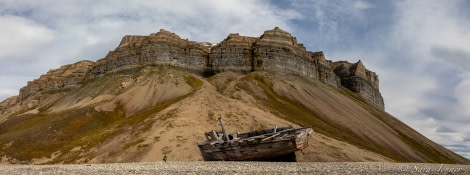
point(302, 138)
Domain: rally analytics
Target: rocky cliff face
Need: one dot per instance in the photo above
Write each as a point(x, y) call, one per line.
point(65, 78)
point(163, 48)
point(276, 50)
point(360, 80)
point(324, 70)
point(235, 54)
point(55, 81)
point(279, 51)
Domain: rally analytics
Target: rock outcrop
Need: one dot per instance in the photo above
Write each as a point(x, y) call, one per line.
point(235, 54)
point(276, 50)
point(65, 78)
point(358, 79)
point(162, 48)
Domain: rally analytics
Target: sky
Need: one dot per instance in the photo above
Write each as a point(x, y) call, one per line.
point(419, 48)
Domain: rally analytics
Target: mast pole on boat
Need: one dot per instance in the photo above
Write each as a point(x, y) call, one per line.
point(223, 128)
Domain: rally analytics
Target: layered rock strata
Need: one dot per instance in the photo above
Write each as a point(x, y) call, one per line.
point(358, 79)
point(275, 50)
point(235, 53)
point(323, 69)
point(65, 78)
point(162, 48)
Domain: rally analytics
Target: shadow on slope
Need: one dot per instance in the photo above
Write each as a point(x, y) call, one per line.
point(343, 115)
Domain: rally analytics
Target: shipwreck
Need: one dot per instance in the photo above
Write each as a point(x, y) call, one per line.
point(267, 144)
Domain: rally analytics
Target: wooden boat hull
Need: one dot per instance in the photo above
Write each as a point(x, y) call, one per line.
point(257, 148)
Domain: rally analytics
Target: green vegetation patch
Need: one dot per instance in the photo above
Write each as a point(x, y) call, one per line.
point(28, 136)
point(221, 85)
point(133, 143)
point(40, 135)
point(193, 81)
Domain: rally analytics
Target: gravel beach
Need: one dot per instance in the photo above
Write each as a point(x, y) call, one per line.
point(240, 168)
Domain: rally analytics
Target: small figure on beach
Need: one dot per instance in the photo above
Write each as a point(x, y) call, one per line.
point(164, 158)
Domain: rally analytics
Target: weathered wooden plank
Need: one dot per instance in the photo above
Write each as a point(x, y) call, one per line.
point(267, 138)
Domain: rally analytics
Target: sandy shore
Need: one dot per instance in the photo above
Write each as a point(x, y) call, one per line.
point(240, 168)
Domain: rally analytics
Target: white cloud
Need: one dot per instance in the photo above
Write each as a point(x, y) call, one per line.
point(10, 82)
point(21, 38)
point(403, 91)
point(435, 41)
point(362, 5)
point(6, 92)
point(462, 93)
point(424, 26)
point(43, 35)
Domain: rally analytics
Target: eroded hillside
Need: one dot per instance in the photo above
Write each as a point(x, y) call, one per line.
point(156, 95)
point(143, 114)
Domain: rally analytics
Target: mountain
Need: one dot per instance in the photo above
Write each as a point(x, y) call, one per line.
point(156, 95)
